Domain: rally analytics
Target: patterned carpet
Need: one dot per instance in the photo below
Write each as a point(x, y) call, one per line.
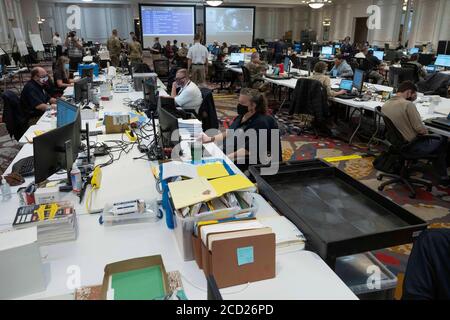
point(433, 207)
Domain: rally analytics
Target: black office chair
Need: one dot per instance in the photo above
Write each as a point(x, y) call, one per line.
point(247, 79)
point(161, 67)
point(397, 147)
point(207, 113)
point(435, 84)
point(425, 59)
point(220, 74)
point(398, 75)
point(311, 62)
point(13, 116)
point(415, 69)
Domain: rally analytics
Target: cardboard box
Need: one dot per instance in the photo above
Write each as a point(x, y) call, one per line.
point(133, 264)
point(224, 261)
point(116, 123)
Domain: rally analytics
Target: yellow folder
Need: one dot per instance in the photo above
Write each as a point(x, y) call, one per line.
point(188, 192)
point(230, 184)
point(212, 170)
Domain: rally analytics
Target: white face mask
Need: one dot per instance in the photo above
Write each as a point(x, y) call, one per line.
point(43, 80)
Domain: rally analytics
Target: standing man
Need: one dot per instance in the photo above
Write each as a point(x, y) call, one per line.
point(114, 48)
point(156, 49)
point(135, 51)
point(347, 48)
point(57, 43)
point(198, 61)
point(74, 50)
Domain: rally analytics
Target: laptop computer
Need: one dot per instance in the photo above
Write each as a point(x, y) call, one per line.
point(441, 123)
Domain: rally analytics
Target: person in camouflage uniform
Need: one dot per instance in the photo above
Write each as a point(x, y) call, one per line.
point(114, 47)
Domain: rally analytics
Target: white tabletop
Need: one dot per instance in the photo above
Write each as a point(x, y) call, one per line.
point(98, 245)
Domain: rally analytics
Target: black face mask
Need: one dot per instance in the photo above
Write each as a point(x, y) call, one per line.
point(241, 110)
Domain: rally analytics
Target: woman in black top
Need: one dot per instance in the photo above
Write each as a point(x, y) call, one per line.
point(61, 73)
point(253, 137)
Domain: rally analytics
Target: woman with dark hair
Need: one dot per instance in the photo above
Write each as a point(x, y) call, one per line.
point(61, 73)
point(242, 140)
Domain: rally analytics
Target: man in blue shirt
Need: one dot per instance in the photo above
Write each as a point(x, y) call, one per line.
point(341, 68)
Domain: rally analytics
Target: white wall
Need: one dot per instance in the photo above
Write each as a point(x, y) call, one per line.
point(8, 19)
point(431, 22)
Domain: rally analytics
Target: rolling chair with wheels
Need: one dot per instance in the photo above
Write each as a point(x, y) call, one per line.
point(398, 146)
point(247, 79)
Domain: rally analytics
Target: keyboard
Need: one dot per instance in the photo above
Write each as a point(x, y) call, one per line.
point(25, 167)
point(440, 123)
point(346, 96)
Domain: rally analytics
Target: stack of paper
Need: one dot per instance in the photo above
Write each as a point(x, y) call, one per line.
point(190, 128)
point(198, 195)
point(287, 236)
point(55, 223)
point(181, 169)
point(231, 230)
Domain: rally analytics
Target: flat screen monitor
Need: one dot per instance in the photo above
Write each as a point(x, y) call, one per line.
point(287, 64)
point(65, 112)
point(413, 50)
point(81, 89)
point(346, 85)
point(358, 79)
point(87, 73)
point(168, 115)
point(327, 51)
point(49, 149)
point(443, 61)
point(150, 96)
point(337, 46)
point(236, 57)
point(379, 55)
point(298, 47)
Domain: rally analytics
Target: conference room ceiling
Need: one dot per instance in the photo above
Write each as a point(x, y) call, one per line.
point(258, 3)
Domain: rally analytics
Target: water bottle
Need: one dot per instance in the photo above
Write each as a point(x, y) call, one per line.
point(6, 191)
point(75, 177)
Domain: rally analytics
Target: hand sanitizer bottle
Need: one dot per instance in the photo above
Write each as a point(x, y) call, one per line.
point(6, 191)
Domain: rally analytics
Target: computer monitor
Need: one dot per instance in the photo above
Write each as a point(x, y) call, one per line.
point(443, 61)
point(236, 57)
point(327, 51)
point(287, 65)
point(150, 96)
point(358, 79)
point(87, 73)
point(56, 149)
point(413, 50)
point(346, 85)
point(298, 47)
point(81, 90)
point(379, 55)
point(66, 112)
point(168, 115)
point(337, 46)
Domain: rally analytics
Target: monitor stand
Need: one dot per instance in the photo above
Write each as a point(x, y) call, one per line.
point(69, 162)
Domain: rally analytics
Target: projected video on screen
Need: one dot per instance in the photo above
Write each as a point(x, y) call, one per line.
point(167, 23)
point(231, 25)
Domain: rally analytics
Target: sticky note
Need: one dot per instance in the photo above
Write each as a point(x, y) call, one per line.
point(245, 255)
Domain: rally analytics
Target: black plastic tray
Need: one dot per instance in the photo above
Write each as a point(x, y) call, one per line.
point(338, 215)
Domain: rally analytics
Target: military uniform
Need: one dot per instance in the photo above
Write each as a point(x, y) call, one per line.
point(114, 48)
point(135, 52)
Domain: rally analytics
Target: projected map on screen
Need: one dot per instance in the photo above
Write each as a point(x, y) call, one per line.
point(167, 23)
point(231, 25)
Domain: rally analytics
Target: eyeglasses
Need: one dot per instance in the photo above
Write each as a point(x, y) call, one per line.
point(178, 79)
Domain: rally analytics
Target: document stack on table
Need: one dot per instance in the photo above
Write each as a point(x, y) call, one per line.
point(56, 222)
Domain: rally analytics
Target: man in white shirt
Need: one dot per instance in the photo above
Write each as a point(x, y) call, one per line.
point(198, 61)
point(189, 95)
point(57, 43)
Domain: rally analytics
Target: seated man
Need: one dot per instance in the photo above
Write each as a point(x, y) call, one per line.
point(415, 60)
point(427, 275)
point(257, 70)
point(34, 99)
point(341, 68)
point(371, 65)
point(185, 92)
point(403, 113)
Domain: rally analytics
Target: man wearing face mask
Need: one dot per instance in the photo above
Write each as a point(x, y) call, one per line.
point(185, 92)
point(403, 113)
point(33, 99)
